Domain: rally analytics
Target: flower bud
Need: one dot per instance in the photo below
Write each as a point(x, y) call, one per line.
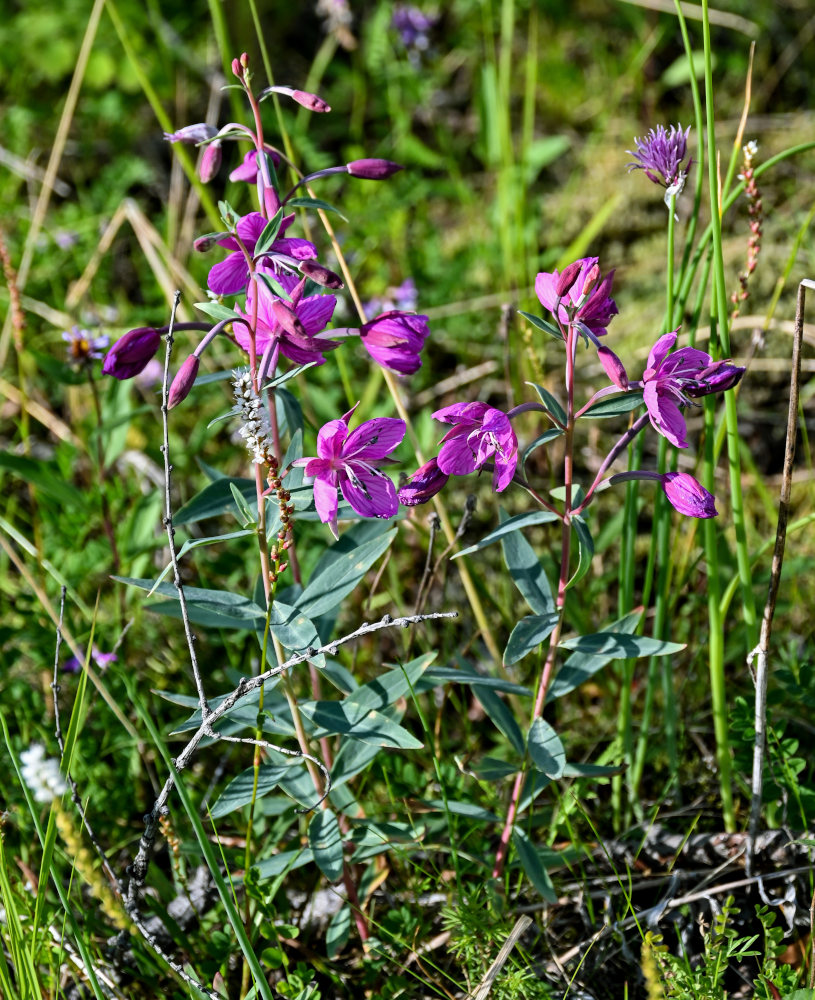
point(567, 277)
point(192, 134)
point(310, 101)
point(688, 496)
point(236, 69)
point(613, 366)
point(183, 381)
point(210, 162)
point(322, 275)
point(131, 353)
point(373, 170)
point(287, 318)
point(718, 377)
point(208, 241)
point(423, 485)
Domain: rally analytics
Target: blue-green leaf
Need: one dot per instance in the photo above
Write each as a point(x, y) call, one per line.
point(216, 310)
point(315, 203)
point(545, 438)
point(338, 931)
point(526, 571)
point(326, 843)
point(542, 324)
point(621, 645)
point(391, 685)
point(533, 865)
point(326, 589)
point(468, 809)
point(269, 234)
point(552, 403)
point(501, 715)
point(449, 675)
point(239, 791)
point(614, 405)
point(234, 605)
point(585, 547)
point(592, 770)
point(545, 749)
point(513, 524)
point(527, 635)
point(214, 499)
point(330, 718)
point(286, 861)
point(581, 666)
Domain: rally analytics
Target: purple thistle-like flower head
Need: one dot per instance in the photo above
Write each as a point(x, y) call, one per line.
point(292, 326)
point(349, 463)
point(131, 353)
point(423, 485)
point(479, 433)
point(672, 380)
point(232, 274)
point(83, 347)
point(395, 340)
point(661, 155)
point(589, 299)
point(688, 496)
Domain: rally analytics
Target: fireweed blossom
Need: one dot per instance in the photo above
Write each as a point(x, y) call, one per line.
point(304, 319)
point(349, 463)
point(479, 433)
point(661, 154)
point(674, 380)
point(423, 485)
point(395, 340)
point(232, 274)
point(587, 299)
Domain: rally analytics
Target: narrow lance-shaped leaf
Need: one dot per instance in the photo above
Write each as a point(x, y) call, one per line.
point(526, 571)
point(545, 749)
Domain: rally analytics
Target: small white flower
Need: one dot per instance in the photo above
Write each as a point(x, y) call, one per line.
point(42, 774)
point(255, 427)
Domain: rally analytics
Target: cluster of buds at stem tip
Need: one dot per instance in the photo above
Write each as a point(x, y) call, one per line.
point(754, 209)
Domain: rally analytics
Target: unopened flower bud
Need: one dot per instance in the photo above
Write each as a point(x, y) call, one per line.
point(287, 318)
point(208, 241)
point(310, 101)
point(236, 68)
point(567, 277)
point(718, 377)
point(192, 134)
point(183, 381)
point(613, 366)
point(591, 280)
point(322, 275)
point(210, 162)
point(131, 353)
point(373, 169)
point(423, 485)
point(688, 496)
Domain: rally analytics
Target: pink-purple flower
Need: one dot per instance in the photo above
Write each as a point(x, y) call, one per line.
point(672, 380)
point(588, 297)
point(479, 433)
point(348, 462)
point(423, 485)
point(688, 496)
point(661, 155)
point(298, 341)
point(395, 340)
point(232, 274)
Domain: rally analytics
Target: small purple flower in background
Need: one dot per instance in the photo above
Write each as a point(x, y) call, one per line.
point(671, 380)
point(232, 274)
point(299, 342)
point(479, 433)
point(413, 26)
point(102, 660)
point(395, 340)
point(66, 238)
point(688, 496)
point(423, 485)
point(131, 353)
point(404, 297)
point(661, 155)
point(83, 347)
point(589, 298)
point(150, 375)
point(349, 463)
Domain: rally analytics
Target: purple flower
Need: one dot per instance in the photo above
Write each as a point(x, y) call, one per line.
point(298, 341)
point(231, 275)
point(210, 161)
point(688, 496)
point(131, 353)
point(395, 340)
point(102, 660)
point(479, 432)
point(661, 154)
point(671, 380)
point(248, 170)
point(372, 169)
point(589, 299)
point(192, 134)
point(403, 297)
point(423, 485)
point(614, 368)
point(83, 347)
point(349, 463)
point(413, 26)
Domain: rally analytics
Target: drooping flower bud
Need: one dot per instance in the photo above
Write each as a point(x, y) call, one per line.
point(131, 353)
point(322, 275)
point(183, 381)
point(310, 101)
point(373, 169)
point(208, 241)
point(567, 277)
point(688, 496)
point(423, 485)
point(287, 318)
point(192, 134)
point(614, 368)
point(210, 162)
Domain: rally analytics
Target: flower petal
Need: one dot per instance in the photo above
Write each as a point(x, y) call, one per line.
point(230, 276)
point(660, 351)
point(456, 457)
point(372, 495)
point(665, 415)
point(330, 439)
point(325, 499)
point(374, 439)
